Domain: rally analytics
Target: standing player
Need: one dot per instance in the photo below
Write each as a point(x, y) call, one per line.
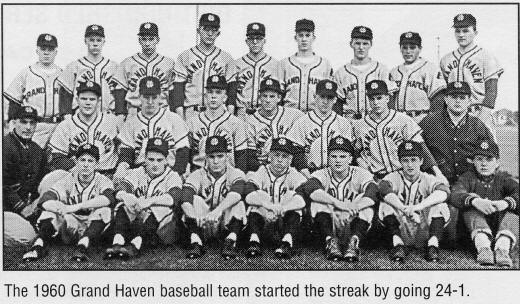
point(419, 82)
point(93, 67)
point(247, 72)
point(270, 121)
point(301, 72)
point(472, 64)
point(354, 75)
point(211, 200)
point(147, 63)
point(196, 64)
point(37, 86)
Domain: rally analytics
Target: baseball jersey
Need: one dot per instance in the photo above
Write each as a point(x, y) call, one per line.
point(227, 125)
point(70, 191)
point(379, 140)
point(37, 86)
point(194, 67)
point(417, 84)
point(248, 74)
point(351, 187)
point(137, 129)
point(412, 193)
point(279, 188)
point(475, 67)
point(299, 80)
point(213, 190)
point(142, 185)
point(135, 67)
point(314, 134)
point(83, 70)
point(352, 80)
point(102, 133)
point(262, 130)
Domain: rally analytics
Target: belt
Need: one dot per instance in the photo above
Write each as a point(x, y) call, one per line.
point(54, 119)
point(417, 113)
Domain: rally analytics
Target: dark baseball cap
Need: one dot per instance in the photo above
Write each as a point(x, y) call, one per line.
point(411, 38)
point(361, 32)
point(326, 87)
point(486, 148)
point(88, 86)
point(454, 88)
point(270, 84)
point(464, 20)
point(409, 148)
point(149, 85)
point(148, 29)
point(209, 19)
point(47, 40)
point(283, 144)
point(88, 149)
point(156, 144)
point(216, 144)
point(255, 29)
point(376, 87)
point(341, 143)
point(26, 112)
point(216, 82)
point(304, 25)
point(94, 30)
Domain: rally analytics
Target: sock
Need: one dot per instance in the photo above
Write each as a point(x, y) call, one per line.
point(397, 240)
point(118, 240)
point(287, 238)
point(137, 241)
point(503, 242)
point(195, 239)
point(482, 241)
point(433, 241)
point(84, 242)
point(38, 242)
point(254, 238)
point(232, 236)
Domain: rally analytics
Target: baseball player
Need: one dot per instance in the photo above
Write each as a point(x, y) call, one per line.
point(77, 208)
point(314, 130)
point(273, 204)
point(37, 86)
point(472, 64)
point(216, 120)
point(196, 64)
point(341, 197)
point(299, 73)
point(270, 121)
point(147, 63)
point(420, 83)
point(87, 125)
point(414, 209)
point(93, 67)
point(247, 72)
point(148, 205)
point(488, 199)
point(212, 200)
point(152, 121)
point(354, 75)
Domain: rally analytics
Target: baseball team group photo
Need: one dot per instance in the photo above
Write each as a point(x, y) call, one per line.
point(247, 137)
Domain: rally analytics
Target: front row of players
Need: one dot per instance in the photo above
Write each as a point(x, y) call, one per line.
point(151, 203)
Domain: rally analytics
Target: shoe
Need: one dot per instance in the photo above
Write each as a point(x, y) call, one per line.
point(485, 256)
point(35, 253)
point(502, 258)
point(80, 254)
point(352, 253)
point(284, 251)
point(229, 251)
point(113, 252)
point(432, 254)
point(195, 251)
point(253, 250)
point(333, 253)
point(129, 251)
point(398, 253)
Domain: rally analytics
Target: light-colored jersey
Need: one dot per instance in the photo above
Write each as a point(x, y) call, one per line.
point(102, 133)
point(261, 131)
point(134, 68)
point(417, 83)
point(227, 125)
point(194, 67)
point(83, 70)
point(248, 74)
point(300, 79)
point(70, 191)
point(379, 140)
point(142, 185)
point(412, 193)
point(137, 129)
point(37, 87)
point(348, 189)
point(475, 67)
point(279, 188)
point(313, 133)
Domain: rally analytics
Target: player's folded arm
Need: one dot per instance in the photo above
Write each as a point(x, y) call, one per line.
point(176, 97)
point(120, 103)
point(241, 159)
point(510, 193)
point(232, 94)
point(461, 197)
point(126, 155)
point(182, 157)
point(371, 193)
point(49, 195)
point(65, 98)
point(491, 89)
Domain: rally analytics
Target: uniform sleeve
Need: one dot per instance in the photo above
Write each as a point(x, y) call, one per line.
point(296, 133)
point(389, 184)
point(492, 70)
point(125, 135)
point(194, 181)
point(231, 72)
point(329, 70)
point(60, 140)
point(66, 78)
point(240, 135)
point(62, 188)
point(444, 70)
point(433, 183)
point(181, 74)
point(384, 75)
point(251, 134)
point(106, 184)
point(254, 178)
point(16, 89)
point(121, 76)
point(435, 81)
point(180, 130)
point(412, 131)
point(339, 81)
point(298, 179)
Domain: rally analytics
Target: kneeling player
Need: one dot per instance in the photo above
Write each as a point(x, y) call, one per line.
point(342, 198)
point(148, 207)
point(76, 207)
point(212, 200)
point(272, 199)
point(414, 209)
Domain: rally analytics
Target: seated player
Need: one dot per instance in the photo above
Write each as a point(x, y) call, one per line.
point(342, 197)
point(273, 202)
point(488, 200)
point(414, 211)
point(212, 200)
point(75, 208)
point(148, 204)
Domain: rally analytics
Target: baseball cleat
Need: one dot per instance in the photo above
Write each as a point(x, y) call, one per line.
point(485, 256)
point(195, 251)
point(35, 253)
point(398, 253)
point(229, 251)
point(112, 252)
point(352, 252)
point(284, 251)
point(253, 250)
point(432, 254)
point(80, 254)
point(333, 253)
point(502, 258)
point(129, 251)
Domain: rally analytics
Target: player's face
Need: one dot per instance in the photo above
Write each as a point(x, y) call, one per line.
point(95, 44)
point(46, 54)
point(339, 160)
point(87, 103)
point(217, 162)
point(24, 127)
point(411, 165)
point(269, 100)
point(149, 104)
point(155, 163)
point(324, 103)
point(465, 35)
point(279, 161)
point(304, 39)
point(216, 98)
point(148, 44)
point(360, 47)
point(208, 34)
point(485, 165)
point(86, 164)
point(458, 103)
point(379, 103)
point(410, 52)
point(255, 44)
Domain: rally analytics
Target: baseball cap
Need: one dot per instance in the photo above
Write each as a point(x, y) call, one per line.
point(47, 40)
point(362, 32)
point(209, 19)
point(340, 143)
point(376, 87)
point(26, 112)
point(148, 29)
point(216, 82)
point(270, 84)
point(457, 87)
point(411, 38)
point(156, 144)
point(149, 85)
point(464, 20)
point(88, 149)
point(88, 86)
point(304, 25)
point(486, 148)
point(326, 87)
point(94, 30)
point(409, 148)
point(255, 29)
point(283, 144)
point(216, 144)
